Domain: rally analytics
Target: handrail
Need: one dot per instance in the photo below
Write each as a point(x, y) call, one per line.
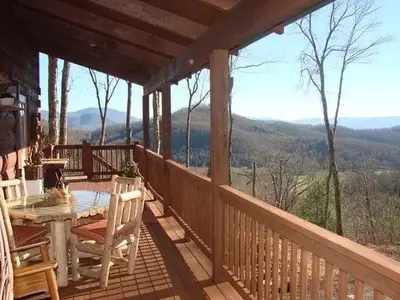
point(380, 272)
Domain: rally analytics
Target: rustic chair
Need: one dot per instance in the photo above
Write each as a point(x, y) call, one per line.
point(18, 282)
point(21, 235)
point(110, 238)
point(124, 184)
point(12, 189)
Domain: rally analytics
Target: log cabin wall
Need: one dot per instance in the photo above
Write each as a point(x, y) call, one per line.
point(19, 76)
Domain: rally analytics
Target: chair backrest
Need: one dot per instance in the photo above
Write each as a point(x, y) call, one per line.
point(6, 269)
point(124, 218)
point(8, 227)
point(124, 184)
point(14, 188)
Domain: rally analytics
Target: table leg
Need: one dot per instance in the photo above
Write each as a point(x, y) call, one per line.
point(61, 253)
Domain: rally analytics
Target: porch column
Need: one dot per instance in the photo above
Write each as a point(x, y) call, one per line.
point(146, 135)
point(166, 143)
point(219, 90)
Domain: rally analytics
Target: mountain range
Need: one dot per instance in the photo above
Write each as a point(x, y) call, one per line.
point(89, 118)
point(257, 140)
point(357, 122)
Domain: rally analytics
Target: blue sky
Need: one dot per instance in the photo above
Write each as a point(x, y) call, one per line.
point(274, 90)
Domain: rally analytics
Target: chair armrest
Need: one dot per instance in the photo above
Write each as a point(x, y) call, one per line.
point(34, 269)
point(30, 246)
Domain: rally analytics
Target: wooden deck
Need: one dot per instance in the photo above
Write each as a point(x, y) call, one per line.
point(168, 267)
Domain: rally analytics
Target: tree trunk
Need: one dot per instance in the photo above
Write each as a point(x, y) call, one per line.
point(53, 101)
point(64, 102)
point(103, 130)
point(254, 179)
point(324, 220)
point(187, 138)
point(156, 121)
point(128, 114)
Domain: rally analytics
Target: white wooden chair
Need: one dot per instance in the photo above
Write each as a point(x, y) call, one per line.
point(124, 184)
point(12, 189)
point(21, 235)
point(110, 238)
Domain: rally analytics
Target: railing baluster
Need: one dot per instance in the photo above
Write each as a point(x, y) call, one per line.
point(237, 243)
point(261, 267)
point(293, 270)
point(328, 280)
point(343, 280)
point(315, 277)
point(232, 235)
point(304, 274)
point(227, 235)
point(242, 248)
point(268, 265)
point(284, 268)
point(247, 253)
point(359, 290)
point(275, 267)
point(253, 284)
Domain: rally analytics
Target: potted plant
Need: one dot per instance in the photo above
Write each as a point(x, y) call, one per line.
point(34, 171)
point(130, 169)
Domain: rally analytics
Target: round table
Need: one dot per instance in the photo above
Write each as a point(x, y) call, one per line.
point(60, 217)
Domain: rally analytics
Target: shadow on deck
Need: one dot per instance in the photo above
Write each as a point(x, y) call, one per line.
point(167, 266)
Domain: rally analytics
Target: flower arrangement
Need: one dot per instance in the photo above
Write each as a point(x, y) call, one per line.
point(54, 197)
point(33, 167)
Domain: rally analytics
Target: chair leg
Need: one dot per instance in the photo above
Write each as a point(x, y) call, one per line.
point(132, 256)
point(105, 267)
point(74, 257)
point(52, 285)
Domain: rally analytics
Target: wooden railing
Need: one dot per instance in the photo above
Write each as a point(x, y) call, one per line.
point(190, 195)
point(268, 253)
point(93, 161)
point(271, 253)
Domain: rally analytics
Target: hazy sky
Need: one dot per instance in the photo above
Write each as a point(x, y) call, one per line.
point(274, 90)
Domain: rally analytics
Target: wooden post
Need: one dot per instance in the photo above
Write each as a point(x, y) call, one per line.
point(146, 136)
point(219, 90)
point(166, 143)
point(87, 159)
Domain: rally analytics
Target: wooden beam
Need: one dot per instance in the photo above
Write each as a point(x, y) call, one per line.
point(48, 36)
point(219, 93)
point(167, 144)
point(222, 5)
point(91, 62)
point(257, 19)
point(89, 20)
point(189, 9)
point(146, 135)
point(91, 37)
point(139, 14)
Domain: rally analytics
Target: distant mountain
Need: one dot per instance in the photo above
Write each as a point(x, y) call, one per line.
point(89, 118)
point(256, 140)
point(357, 123)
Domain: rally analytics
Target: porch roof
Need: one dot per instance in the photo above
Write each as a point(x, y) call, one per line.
point(151, 42)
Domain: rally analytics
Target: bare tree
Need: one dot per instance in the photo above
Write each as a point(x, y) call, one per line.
point(65, 88)
point(108, 88)
point(53, 100)
point(344, 42)
point(193, 85)
point(156, 121)
point(234, 65)
point(128, 113)
point(252, 179)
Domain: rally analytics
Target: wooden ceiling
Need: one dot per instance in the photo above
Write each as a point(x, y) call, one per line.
point(137, 40)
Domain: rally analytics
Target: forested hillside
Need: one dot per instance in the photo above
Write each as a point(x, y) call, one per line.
point(255, 140)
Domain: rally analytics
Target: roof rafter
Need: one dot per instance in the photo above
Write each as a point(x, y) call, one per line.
point(90, 62)
point(105, 26)
point(90, 37)
point(42, 35)
point(220, 4)
point(257, 19)
point(144, 16)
